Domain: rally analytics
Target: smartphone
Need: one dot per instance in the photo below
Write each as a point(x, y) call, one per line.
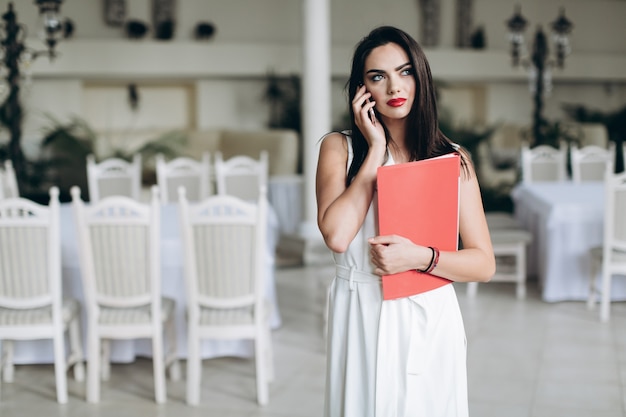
point(370, 113)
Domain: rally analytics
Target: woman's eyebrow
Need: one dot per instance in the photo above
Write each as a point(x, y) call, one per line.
point(408, 64)
point(398, 68)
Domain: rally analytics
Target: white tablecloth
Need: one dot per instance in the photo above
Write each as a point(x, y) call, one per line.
point(172, 286)
point(566, 220)
point(285, 196)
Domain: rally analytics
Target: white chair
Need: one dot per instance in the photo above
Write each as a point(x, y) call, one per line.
point(509, 242)
point(114, 177)
point(594, 134)
point(225, 247)
point(31, 302)
point(544, 163)
point(241, 176)
point(8, 181)
point(119, 251)
point(589, 162)
point(193, 175)
point(610, 258)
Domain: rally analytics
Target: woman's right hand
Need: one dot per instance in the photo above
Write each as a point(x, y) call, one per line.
point(369, 126)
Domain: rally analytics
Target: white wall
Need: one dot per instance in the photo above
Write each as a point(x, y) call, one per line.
point(598, 24)
point(223, 101)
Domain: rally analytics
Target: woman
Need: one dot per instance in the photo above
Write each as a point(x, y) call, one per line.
point(403, 357)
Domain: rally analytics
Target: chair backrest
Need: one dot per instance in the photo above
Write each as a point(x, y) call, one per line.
point(193, 175)
point(114, 177)
point(30, 254)
point(224, 245)
point(594, 134)
point(241, 176)
point(614, 209)
point(589, 162)
point(8, 181)
point(119, 248)
point(544, 163)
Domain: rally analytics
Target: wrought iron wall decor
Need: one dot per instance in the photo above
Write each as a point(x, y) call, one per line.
point(538, 61)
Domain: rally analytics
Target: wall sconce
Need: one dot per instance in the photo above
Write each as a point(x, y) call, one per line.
point(50, 23)
point(538, 62)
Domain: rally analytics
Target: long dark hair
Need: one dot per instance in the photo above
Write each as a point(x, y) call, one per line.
point(424, 138)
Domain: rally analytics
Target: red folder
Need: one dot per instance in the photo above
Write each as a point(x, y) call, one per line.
point(420, 201)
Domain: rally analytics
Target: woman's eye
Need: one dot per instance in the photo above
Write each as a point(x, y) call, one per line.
point(377, 77)
point(407, 71)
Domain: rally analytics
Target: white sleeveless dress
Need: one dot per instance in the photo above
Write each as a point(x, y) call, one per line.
point(397, 358)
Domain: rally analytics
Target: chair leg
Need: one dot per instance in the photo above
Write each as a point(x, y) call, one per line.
point(520, 290)
point(261, 369)
point(269, 354)
point(194, 368)
point(76, 350)
point(605, 313)
point(158, 366)
point(105, 359)
point(8, 369)
point(171, 360)
point(93, 367)
point(591, 300)
point(60, 367)
point(520, 267)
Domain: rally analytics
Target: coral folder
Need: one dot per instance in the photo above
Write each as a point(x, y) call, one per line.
point(420, 201)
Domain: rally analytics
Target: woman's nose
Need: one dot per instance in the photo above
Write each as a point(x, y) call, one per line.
point(393, 87)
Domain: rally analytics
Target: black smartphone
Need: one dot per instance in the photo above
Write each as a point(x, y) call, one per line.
point(370, 113)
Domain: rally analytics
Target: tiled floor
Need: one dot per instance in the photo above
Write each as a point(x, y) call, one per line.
point(526, 358)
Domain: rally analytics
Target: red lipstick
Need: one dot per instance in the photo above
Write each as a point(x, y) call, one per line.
point(396, 102)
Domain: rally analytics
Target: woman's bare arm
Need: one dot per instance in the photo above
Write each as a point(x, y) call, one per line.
point(341, 210)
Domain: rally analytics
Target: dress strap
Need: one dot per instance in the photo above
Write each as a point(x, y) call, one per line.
point(350, 150)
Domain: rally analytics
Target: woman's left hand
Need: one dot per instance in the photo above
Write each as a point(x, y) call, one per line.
point(393, 254)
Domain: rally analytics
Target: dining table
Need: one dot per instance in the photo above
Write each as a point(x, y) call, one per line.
point(172, 285)
point(566, 220)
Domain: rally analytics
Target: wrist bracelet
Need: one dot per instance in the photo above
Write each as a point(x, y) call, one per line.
point(430, 265)
point(435, 261)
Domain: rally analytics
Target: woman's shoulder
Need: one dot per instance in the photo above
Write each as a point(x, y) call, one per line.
point(343, 134)
point(337, 137)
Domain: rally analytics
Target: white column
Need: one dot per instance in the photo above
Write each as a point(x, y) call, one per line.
point(316, 103)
